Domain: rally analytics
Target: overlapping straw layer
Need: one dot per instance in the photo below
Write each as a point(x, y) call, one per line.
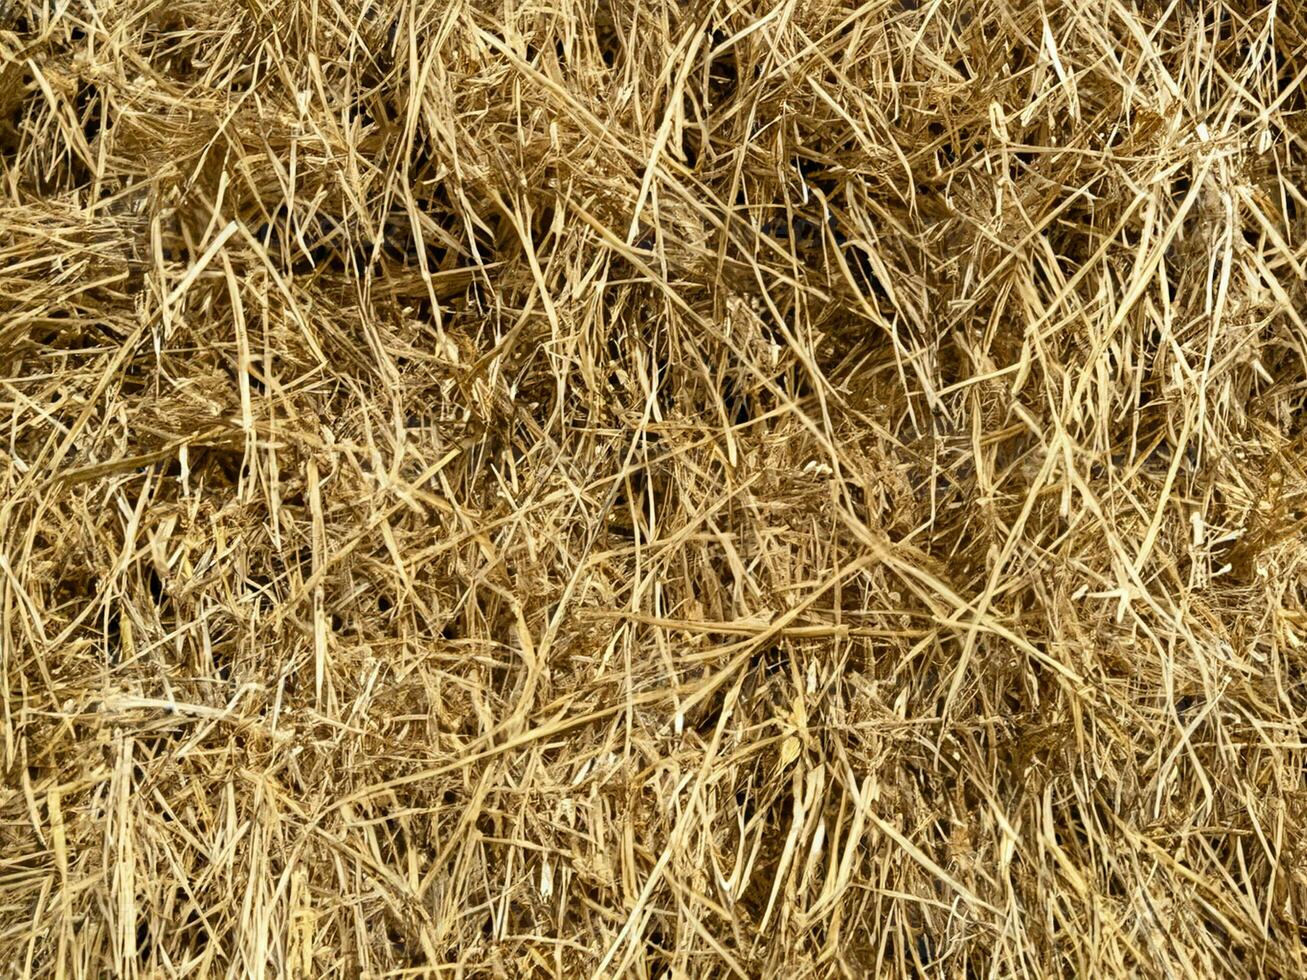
point(618, 488)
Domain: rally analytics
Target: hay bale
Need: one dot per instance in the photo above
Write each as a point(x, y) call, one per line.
point(657, 490)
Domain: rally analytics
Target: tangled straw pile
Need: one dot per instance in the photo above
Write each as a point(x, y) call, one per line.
point(624, 488)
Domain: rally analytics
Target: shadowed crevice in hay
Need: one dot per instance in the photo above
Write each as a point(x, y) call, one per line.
point(660, 490)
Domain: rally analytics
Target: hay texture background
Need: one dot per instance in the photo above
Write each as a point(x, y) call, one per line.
point(612, 488)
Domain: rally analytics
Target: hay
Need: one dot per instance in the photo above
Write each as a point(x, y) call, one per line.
point(612, 488)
